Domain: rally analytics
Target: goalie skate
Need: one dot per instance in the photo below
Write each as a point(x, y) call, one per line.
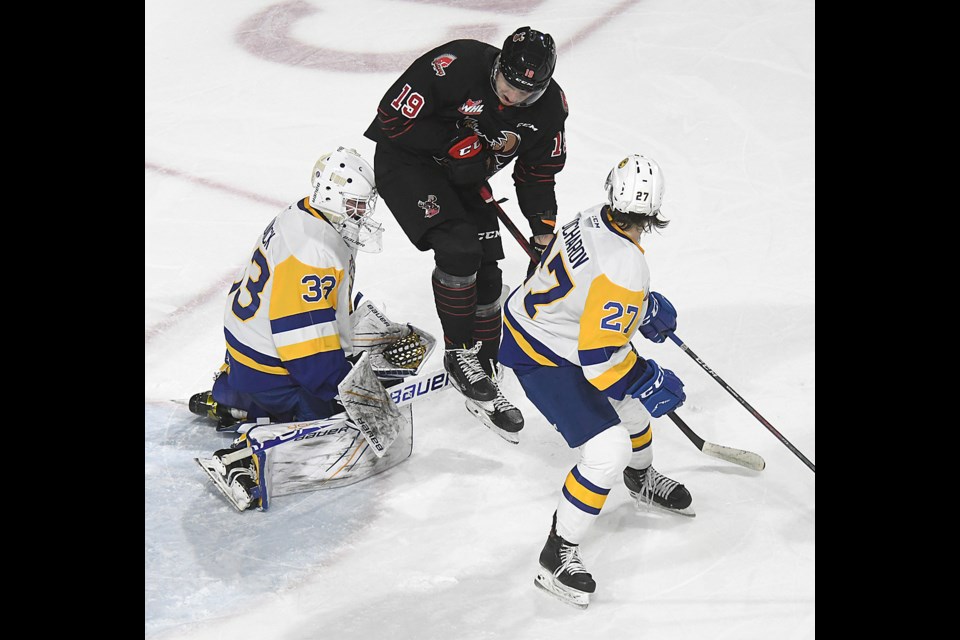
point(569, 595)
point(242, 493)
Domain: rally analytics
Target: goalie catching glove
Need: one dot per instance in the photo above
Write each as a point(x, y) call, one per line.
point(407, 352)
point(396, 350)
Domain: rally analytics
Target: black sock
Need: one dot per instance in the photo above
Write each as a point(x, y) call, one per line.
point(487, 329)
point(456, 300)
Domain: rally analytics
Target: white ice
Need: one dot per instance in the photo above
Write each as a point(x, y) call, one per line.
point(242, 97)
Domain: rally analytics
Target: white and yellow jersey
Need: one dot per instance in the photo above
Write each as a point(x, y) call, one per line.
point(581, 306)
point(287, 317)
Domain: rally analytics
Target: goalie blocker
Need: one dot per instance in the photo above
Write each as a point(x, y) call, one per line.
point(373, 434)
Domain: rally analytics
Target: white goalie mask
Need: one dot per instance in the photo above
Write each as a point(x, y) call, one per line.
point(344, 190)
point(636, 185)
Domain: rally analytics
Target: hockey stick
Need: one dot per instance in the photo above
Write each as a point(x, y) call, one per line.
point(747, 459)
point(743, 402)
point(487, 196)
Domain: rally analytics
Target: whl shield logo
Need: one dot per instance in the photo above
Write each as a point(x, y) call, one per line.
point(471, 106)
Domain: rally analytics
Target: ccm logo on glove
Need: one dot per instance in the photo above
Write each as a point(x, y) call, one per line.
point(466, 148)
point(658, 390)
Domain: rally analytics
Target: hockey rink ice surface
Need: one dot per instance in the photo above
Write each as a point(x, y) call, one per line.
point(240, 100)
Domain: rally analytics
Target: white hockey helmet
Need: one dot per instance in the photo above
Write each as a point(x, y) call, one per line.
point(344, 190)
point(636, 185)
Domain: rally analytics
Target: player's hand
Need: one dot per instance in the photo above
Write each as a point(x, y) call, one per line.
point(658, 390)
point(535, 244)
point(468, 160)
point(660, 319)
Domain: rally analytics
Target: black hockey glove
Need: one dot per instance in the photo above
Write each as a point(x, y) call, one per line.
point(468, 161)
point(538, 249)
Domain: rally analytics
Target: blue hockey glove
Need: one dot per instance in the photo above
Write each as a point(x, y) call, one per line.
point(660, 320)
point(658, 390)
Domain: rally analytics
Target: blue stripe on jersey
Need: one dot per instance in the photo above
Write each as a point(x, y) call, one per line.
point(618, 389)
point(256, 356)
point(301, 320)
point(596, 356)
point(537, 346)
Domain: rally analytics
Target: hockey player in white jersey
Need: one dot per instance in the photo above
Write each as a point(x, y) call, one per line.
point(567, 336)
point(291, 340)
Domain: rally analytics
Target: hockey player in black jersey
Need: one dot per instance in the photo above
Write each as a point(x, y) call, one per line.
point(459, 114)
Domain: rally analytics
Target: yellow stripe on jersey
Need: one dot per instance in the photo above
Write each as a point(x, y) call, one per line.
point(614, 373)
point(616, 229)
point(298, 287)
point(584, 495)
point(253, 364)
point(309, 347)
point(314, 212)
point(523, 344)
point(611, 314)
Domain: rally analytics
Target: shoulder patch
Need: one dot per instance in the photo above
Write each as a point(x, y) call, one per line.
point(441, 62)
point(563, 99)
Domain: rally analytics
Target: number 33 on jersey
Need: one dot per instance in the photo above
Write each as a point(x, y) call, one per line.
point(290, 308)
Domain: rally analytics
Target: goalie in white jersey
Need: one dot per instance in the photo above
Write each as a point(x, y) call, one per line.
point(567, 336)
point(287, 320)
point(292, 336)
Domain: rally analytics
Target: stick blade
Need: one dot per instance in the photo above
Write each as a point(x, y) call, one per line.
point(747, 459)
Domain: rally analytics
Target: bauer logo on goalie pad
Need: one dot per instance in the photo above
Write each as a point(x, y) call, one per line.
point(370, 407)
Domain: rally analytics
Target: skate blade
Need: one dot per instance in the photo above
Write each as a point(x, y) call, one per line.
point(480, 414)
point(643, 505)
point(572, 597)
point(207, 464)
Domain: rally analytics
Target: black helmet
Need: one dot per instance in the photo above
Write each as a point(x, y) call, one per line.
point(527, 61)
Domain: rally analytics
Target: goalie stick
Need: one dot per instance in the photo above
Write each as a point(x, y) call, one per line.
point(741, 457)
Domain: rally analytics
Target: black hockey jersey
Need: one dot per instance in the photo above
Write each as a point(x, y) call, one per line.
point(450, 87)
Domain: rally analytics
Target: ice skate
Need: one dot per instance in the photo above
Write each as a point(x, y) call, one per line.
point(500, 416)
point(237, 481)
point(227, 418)
point(562, 573)
point(651, 488)
point(468, 376)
